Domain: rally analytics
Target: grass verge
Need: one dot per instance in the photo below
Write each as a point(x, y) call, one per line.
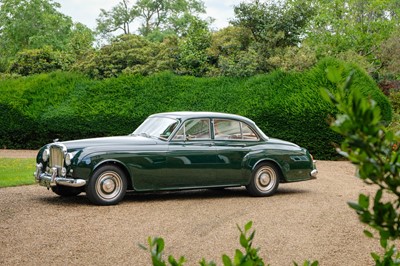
point(16, 172)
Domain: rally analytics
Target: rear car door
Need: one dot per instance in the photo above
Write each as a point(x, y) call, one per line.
point(191, 156)
point(233, 141)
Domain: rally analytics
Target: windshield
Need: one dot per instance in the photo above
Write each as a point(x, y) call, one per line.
point(159, 127)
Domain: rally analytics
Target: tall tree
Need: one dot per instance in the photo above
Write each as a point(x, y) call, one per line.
point(358, 25)
point(154, 16)
point(274, 25)
point(32, 24)
point(118, 18)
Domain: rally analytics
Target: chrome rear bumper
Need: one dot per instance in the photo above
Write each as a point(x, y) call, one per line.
point(50, 180)
point(314, 172)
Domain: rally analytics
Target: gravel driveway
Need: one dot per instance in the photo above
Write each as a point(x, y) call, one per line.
point(306, 220)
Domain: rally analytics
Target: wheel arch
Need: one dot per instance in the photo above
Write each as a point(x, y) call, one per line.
point(282, 177)
point(118, 164)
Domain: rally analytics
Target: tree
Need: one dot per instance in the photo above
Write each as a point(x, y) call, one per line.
point(273, 24)
point(118, 18)
point(156, 17)
point(276, 24)
point(389, 56)
point(127, 54)
point(231, 54)
point(357, 25)
point(193, 58)
point(81, 39)
point(34, 24)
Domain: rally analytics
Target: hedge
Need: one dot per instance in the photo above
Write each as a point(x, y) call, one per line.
point(37, 109)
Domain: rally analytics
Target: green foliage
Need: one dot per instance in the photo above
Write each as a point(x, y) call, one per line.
point(157, 17)
point(274, 25)
point(36, 61)
point(369, 145)
point(286, 105)
point(31, 24)
point(353, 25)
point(118, 18)
point(249, 257)
point(389, 56)
point(192, 57)
point(131, 54)
point(293, 58)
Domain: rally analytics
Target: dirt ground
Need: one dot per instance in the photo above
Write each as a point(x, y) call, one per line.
point(306, 220)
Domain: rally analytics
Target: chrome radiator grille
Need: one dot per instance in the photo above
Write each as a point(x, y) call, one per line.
point(56, 157)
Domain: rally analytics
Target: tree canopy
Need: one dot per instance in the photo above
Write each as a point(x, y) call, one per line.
point(35, 24)
point(262, 36)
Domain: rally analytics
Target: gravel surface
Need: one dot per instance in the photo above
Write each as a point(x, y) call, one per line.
point(306, 220)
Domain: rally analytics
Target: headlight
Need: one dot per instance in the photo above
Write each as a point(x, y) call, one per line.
point(68, 159)
point(45, 155)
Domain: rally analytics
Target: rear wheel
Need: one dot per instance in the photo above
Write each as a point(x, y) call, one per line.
point(64, 191)
point(265, 180)
point(107, 186)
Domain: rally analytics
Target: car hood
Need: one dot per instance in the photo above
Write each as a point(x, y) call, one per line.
point(109, 141)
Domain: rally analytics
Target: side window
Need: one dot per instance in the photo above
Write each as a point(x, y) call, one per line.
point(194, 129)
point(233, 130)
point(227, 129)
point(248, 133)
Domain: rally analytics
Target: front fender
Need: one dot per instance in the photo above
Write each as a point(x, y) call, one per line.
point(89, 163)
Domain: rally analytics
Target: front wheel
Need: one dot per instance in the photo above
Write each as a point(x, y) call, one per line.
point(107, 186)
point(265, 180)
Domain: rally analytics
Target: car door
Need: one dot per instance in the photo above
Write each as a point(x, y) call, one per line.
point(191, 156)
point(233, 140)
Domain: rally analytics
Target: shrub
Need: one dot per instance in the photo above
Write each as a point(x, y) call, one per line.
point(35, 61)
point(68, 106)
point(374, 149)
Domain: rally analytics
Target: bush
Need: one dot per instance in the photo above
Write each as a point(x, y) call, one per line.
point(70, 106)
point(375, 152)
point(35, 61)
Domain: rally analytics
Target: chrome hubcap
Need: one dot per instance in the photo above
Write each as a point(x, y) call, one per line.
point(109, 185)
point(266, 179)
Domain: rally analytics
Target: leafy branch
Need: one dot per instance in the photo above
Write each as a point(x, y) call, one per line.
point(374, 149)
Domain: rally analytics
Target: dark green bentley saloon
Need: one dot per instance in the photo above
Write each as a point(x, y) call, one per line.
point(171, 151)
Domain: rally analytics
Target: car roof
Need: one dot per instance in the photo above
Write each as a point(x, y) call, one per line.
point(189, 114)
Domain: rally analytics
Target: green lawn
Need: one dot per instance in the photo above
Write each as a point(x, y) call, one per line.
point(16, 172)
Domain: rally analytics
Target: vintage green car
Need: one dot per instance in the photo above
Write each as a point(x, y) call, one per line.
point(171, 151)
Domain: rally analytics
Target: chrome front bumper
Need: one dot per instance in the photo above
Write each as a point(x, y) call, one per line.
point(50, 180)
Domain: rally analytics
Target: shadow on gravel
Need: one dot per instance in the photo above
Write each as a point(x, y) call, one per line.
point(64, 201)
point(182, 195)
point(198, 194)
point(203, 194)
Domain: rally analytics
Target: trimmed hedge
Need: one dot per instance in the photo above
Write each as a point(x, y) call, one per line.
point(37, 109)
